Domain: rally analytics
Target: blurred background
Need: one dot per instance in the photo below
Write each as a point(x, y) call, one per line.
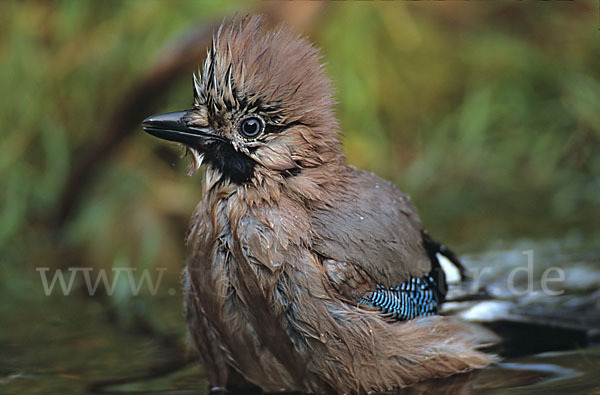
point(487, 114)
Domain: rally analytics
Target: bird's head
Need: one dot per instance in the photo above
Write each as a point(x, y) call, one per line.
point(262, 107)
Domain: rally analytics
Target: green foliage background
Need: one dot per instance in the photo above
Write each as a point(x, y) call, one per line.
point(488, 114)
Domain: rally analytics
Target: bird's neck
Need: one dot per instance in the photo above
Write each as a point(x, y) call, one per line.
point(308, 187)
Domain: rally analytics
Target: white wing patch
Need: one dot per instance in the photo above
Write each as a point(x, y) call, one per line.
point(450, 270)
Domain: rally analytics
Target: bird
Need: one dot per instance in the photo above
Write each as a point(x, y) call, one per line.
point(303, 273)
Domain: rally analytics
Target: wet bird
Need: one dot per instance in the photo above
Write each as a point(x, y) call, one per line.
point(303, 273)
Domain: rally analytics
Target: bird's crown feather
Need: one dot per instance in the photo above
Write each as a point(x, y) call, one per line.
point(278, 71)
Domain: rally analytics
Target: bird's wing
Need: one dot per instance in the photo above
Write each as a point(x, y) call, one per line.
point(375, 252)
point(375, 228)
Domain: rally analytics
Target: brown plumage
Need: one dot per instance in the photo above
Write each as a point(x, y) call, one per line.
point(288, 239)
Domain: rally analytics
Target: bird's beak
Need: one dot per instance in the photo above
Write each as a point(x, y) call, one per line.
point(174, 126)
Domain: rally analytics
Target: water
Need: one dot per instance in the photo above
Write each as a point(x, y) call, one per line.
point(78, 344)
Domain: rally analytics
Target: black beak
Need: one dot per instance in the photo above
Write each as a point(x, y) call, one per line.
point(174, 126)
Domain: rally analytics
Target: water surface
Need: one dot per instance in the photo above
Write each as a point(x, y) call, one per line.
point(76, 343)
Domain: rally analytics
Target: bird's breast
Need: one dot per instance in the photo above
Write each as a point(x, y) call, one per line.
point(236, 266)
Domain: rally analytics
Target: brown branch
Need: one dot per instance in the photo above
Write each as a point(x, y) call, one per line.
point(178, 58)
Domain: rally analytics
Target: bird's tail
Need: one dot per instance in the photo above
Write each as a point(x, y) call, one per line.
point(385, 357)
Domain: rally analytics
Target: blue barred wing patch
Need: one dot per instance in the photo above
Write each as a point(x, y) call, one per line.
point(413, 298)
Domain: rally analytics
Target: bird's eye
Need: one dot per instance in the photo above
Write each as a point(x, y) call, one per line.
point(251, 127)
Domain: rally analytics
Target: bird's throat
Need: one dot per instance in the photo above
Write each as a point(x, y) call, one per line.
point(232, 164)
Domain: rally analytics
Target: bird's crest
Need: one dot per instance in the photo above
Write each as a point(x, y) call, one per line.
point(210, 89)
point(247, 68)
